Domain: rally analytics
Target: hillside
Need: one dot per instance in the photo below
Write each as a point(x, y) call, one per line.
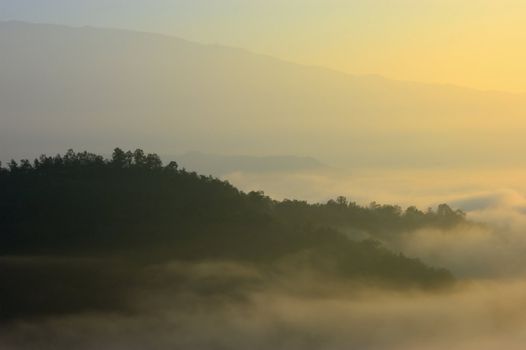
point(63, 218)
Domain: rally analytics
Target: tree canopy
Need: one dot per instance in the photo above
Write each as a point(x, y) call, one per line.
point(135, 207)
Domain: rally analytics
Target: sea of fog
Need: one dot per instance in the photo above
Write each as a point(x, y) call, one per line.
point(493, 197)
point(299, 313)
point(484, 310)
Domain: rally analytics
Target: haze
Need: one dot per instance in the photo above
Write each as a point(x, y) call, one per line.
point(475, 43)
point(337, 174)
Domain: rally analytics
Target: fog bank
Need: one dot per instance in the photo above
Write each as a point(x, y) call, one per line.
point(472, 315)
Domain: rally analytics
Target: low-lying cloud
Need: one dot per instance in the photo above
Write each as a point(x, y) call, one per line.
point(224, 305)
point(471, 315)
point(493, 249)
point(493, 198)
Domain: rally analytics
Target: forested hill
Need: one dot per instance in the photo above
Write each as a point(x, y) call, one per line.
point(133, 205)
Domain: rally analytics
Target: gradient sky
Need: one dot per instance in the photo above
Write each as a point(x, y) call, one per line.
point(476, 43)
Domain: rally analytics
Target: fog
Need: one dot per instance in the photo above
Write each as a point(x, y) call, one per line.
point(469, 188)
point(295, 313)
point(493, 198)
point(223, 305)
point(373, 140)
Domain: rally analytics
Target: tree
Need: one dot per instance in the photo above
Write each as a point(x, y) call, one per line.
point(342, 201)
point(153, 161)
point(119, 158)
point(139, 159)
point(13, 165)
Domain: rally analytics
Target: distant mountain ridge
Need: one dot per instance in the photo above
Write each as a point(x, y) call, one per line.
point(219, 165)
point(63, 87)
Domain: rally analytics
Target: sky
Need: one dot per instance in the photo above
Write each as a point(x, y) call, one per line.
point(473, 43)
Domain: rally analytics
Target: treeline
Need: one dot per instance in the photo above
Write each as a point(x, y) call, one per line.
point(381, 221)
point(186, 195)
point(134, 206)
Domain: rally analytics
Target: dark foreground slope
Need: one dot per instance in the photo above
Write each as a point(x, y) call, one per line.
point(79, 233)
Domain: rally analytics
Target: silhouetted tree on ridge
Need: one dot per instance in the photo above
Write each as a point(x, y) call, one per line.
point(81, 203)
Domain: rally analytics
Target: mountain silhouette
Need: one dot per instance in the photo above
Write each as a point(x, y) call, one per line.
point(63, 87)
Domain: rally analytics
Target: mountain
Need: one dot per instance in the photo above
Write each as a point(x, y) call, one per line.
point(92, 234)
point(220, 165)
point(64, 87)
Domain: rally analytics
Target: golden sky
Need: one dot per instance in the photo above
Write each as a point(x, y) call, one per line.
point(475, 43)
